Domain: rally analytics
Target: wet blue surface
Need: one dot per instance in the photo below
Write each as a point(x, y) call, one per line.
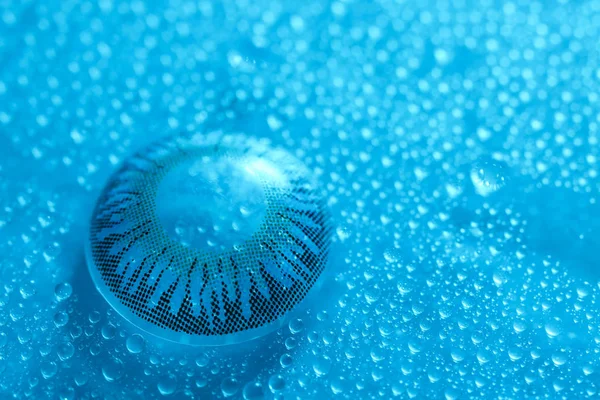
point(458, 145)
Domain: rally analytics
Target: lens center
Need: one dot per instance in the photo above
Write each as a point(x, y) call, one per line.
point(212, 203)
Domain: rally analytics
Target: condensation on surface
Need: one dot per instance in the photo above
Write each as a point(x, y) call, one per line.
point(457, 142)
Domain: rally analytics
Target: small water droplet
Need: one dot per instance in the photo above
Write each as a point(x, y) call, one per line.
point(343, 233)
point(391, 255)
point(488, 176)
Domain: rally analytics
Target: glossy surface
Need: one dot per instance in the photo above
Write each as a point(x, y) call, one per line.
point(458, 145)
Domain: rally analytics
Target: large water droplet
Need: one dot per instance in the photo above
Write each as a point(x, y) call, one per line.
point(230, 386)
point(552, 329)
point(167, 385)
point(254, 391)
point(65, 351)
point(63, 291)
point(202, 360)
point(60, 319)
point(135, 343)
point(112, 370)
point(276, 383)
point(296, 326)
point(48, 369)
point(322, 365)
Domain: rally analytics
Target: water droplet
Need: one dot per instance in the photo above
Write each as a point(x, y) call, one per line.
point(201, 382)
point(296, 326)
point(135, 343)
point(488, 176)
point(515, 354)
point(322, 365)
point(109, 331)
point(67, 394)
point(81, 378)
point(112, 370)
point(391, 255)
point(290, 343)
point(337, 385)
point(276, 383)
point(202, 360)
point(451, 394)
point(484, 356)
point(27, 290)
point(63, 291)
point(285, 360)
point(254, 391)
point(519, 326)
point(48, 369)
point(559, 359)
point(65, 351)
point(343, 233)
point(167, 385)
point(60, 319)
point(230, 386)
point(552, 329)
point(94, 317)
point(322, 316)
point(377, 354)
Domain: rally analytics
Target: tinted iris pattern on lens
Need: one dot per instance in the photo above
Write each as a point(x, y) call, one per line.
point(208, 296)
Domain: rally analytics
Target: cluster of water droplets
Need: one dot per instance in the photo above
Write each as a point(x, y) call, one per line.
point(459, 150)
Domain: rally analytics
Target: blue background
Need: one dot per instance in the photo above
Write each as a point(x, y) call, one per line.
point(458, 145)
